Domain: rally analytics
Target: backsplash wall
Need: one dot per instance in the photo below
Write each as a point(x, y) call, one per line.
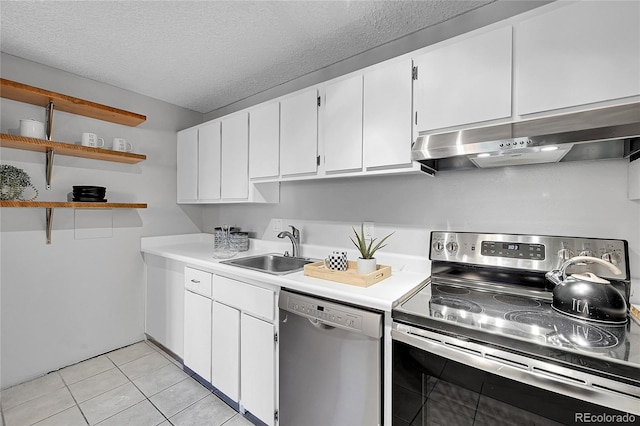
point(575, 199)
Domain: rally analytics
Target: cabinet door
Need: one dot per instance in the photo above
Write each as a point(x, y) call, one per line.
point(187, 158)
point(264, 141)
point(299, 133)
point(225, 355)
point(257, 376)
point(235, 157)
point(342, 125)
point(197, 334)
point(164, 313)
point(578, 54)
point(387, 115)
point(209, 161)
point(465, 82)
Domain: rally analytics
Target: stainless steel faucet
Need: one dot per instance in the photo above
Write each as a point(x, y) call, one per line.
point(294, 236)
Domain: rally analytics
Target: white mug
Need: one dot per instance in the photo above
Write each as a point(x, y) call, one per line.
point(32, 129)
point(92, 140)
point(120, 144)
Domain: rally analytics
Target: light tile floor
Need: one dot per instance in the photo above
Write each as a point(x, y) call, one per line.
point(137, 385)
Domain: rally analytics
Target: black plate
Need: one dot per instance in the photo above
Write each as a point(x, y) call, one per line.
point(89, 188)
point(89, 199)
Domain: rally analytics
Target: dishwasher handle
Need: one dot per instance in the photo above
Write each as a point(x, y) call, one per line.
point(319, 324)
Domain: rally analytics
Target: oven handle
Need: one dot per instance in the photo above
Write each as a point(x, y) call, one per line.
point(595, 389)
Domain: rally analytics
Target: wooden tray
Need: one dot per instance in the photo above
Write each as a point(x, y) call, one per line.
point(350, 276)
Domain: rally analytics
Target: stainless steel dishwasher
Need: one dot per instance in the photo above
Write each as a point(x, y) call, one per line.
point(330, 363)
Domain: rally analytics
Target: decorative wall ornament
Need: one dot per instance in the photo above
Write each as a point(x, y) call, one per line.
point(13, 182)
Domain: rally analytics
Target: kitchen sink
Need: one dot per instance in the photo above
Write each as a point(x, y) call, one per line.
point(275, 264)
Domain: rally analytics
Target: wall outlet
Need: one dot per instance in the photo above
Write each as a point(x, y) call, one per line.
point(368, 230)
point(277, 225)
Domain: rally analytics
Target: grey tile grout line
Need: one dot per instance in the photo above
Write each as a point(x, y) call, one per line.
point(143, 394)
point(66, 385)
point(163, 353)
point(155, 349)
point(148, 397)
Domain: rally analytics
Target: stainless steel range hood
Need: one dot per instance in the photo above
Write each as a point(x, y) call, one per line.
point(610, 132)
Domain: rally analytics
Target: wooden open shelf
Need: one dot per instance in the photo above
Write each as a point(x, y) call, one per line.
point(50, 148)
point(36, 96)
point(71, 205)
point(50, 100)
point(61, 148)
point(50, 205)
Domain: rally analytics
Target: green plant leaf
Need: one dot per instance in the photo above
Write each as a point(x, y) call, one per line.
point(379, 245)
point(367, 251)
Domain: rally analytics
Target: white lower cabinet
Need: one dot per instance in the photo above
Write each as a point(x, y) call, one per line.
point(197, 334)
point(225, 354)
point(257, 375)
point(164, 314)
point(243, 356)
point(197, 321)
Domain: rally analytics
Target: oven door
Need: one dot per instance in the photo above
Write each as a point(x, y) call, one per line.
point(444, 380)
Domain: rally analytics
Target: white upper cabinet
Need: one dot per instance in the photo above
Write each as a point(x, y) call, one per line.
point(198, 160)
point(577, 54)
point(235, 156)
point(299, 133)
point(466, 82)
point(387, 115)
point(209, 161)
point(264, 141)
point(342, 125)
point(187, 158)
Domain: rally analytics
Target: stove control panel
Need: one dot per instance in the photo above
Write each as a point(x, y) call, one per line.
point(513, 250)
point(529, 252)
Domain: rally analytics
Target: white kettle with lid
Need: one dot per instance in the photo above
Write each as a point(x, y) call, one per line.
point(32, 129)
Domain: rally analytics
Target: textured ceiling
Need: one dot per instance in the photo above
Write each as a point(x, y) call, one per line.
point(204, 55)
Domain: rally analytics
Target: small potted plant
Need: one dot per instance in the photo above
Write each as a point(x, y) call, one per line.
point(366, 262)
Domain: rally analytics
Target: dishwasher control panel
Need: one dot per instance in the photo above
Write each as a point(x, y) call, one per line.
point(332, 314)
point(326, 313)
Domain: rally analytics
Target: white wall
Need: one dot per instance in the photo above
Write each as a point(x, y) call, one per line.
point(587, 199)
point(77, 298)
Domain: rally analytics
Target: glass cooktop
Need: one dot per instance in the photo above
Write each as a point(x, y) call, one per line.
point(524, 323)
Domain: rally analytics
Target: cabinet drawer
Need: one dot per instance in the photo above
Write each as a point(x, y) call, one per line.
point(246, 297)
point(198, 281)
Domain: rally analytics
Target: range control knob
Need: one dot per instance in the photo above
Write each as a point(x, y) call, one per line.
point(612, 257)
point(587, 252)
point(565, 254)
point(438, 246)
point(452, 246)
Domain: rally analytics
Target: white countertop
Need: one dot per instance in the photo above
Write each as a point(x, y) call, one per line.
point(407, 272)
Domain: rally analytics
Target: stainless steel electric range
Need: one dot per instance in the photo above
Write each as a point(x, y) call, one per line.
point(480, 344)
